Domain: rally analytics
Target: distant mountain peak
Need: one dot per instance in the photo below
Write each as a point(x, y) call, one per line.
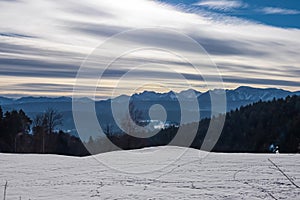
point(240, 96)
point(246, 93)
point(189, 93)
point(242, 93)
point(31, 99)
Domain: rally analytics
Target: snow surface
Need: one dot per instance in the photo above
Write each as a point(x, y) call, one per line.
point(150, 174)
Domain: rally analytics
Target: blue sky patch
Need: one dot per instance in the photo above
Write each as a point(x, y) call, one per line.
point(277, 13)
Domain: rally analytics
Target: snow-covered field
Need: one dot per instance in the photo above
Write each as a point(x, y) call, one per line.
point(140, 176)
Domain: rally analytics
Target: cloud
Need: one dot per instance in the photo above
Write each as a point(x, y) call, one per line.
point(42, 87)
point(36, 68)
point(261, 81)
point(15, 35)
point(280, 11)
point(51, 48)
point(225, 47)
point(97, 29)
point(222, 5)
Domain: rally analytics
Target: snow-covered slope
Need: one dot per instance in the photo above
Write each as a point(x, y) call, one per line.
point(217, 176)
point(255, 94)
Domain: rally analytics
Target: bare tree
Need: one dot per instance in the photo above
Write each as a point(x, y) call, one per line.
point(38, 120)
point(46, 122)
point(39, 128)
point(52, 119)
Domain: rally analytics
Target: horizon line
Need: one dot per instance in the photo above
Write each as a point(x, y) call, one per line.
point(19, 96)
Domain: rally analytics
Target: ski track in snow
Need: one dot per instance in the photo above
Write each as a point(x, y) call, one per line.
point(218, 176)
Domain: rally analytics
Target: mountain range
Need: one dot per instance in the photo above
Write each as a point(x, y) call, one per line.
point(143, 101)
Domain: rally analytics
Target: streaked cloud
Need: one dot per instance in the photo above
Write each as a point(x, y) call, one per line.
point(223, 5)
point(280, 11)
point(49, 50)
point(15, 35)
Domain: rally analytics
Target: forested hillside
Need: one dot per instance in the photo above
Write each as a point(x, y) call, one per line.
point(258, 127)
point(255, 128)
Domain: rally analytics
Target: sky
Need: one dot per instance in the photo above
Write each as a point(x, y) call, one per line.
point(43, 43)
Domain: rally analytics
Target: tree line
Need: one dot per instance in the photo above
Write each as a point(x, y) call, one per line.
point(256, 128)
point(261, 127)
point(17, 136)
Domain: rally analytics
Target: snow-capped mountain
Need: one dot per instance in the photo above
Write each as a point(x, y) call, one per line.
point(243, 93)
point(169, 96)
point(154, 96)
point(255, 94)
point(190, 93)
point(143, 101)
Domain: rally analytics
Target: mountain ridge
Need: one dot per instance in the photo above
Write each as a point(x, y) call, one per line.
point(243, 92)
point(143, 101)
